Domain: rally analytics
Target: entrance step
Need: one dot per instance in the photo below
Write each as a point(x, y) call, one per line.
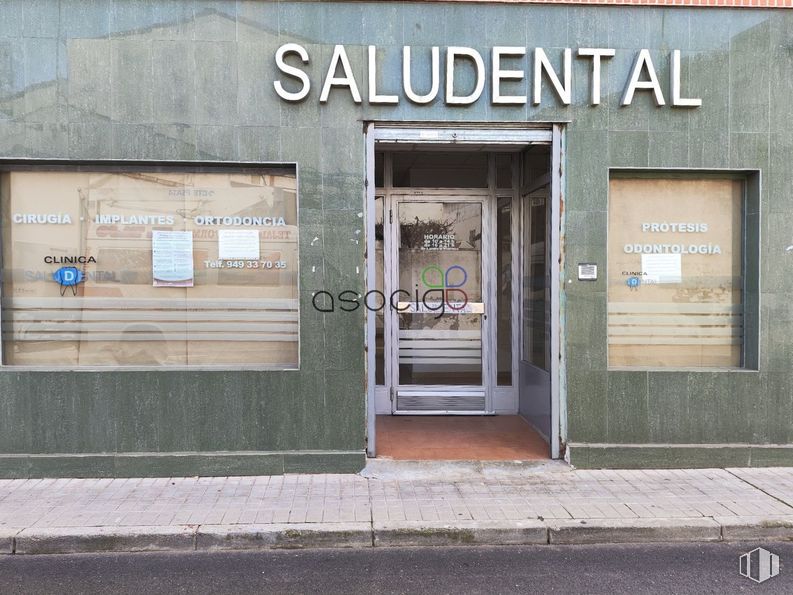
point(463, 470)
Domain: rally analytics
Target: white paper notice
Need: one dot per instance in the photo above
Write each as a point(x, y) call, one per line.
point(238, 244)
point(662, 268)
point(172, 258)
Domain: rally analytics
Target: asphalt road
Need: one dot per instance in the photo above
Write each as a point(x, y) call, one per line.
point(634, 569)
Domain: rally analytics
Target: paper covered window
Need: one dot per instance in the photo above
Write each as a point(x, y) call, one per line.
point(150, 268)
point(675, 272)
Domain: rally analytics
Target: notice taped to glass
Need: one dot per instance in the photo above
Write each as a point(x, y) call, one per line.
point(238, 244)
point(172, 258)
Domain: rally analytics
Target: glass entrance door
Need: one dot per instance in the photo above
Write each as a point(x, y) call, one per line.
point(438, 325)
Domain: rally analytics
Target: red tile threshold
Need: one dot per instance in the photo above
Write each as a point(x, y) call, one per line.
point(458, 438)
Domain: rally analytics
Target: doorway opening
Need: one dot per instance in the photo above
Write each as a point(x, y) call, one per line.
point(462, 255)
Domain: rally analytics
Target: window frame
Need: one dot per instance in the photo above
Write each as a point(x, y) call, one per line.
point(750, 258)
point(10, 165)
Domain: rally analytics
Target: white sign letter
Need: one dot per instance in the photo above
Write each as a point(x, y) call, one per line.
point(541, 63)
point(451, 54)
point(331, 80)
point(436, 77)
point(643, 60)
point(292, 48)
point(373, 96)
point(499, 75)
point(596, 54)
point(678, 101)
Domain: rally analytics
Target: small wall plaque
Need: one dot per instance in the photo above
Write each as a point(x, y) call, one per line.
point(587, 271)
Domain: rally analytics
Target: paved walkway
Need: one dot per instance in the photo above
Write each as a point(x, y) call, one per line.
point(393, 505)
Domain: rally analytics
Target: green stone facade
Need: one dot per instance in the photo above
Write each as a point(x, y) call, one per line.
point(167, 80)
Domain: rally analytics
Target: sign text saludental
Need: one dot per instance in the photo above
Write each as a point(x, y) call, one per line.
point(507, 67)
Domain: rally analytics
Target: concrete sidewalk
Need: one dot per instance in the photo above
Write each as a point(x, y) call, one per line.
point(392, 504)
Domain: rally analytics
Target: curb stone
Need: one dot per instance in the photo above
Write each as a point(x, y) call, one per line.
point(7, 536)
point(75, 540)
point(756, 528)
point(438, 533)
point(633, 530)
point(284, 536)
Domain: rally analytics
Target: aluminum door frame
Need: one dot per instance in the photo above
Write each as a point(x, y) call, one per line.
point(486, 133)
point(483, 197)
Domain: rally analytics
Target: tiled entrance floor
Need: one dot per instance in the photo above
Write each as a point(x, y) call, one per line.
point(455, 438)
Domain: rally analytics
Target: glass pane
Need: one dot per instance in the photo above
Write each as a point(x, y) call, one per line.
point(536, 286)
point(504, 291)
point(379, 170)
point(379, 320)
point(440, 349)
point(675, 275)
point(504, 170)
point(150, 268)
point(440, 273)
point(430, 169)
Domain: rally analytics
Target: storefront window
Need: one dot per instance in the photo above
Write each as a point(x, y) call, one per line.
point(150, 268)
point(675, 272)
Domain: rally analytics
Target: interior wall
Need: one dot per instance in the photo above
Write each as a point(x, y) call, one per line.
point(534, 398)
